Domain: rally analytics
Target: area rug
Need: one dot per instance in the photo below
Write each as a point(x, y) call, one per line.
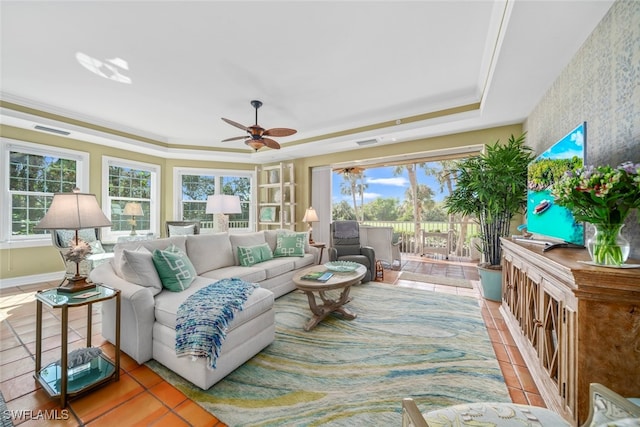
point(404, 343)
point(436, 280)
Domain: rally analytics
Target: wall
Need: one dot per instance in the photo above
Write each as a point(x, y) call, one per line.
point(601, 85)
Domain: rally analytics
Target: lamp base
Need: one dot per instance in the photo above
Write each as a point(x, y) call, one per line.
point(76, 284)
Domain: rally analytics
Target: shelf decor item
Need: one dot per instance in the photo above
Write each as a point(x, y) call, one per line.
point(74, 211)
point(268, 214)
point(603, 196)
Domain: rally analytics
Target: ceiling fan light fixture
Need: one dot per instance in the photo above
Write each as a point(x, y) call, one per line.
point(256, 144)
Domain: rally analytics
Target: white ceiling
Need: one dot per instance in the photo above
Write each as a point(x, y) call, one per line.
point(320, 67)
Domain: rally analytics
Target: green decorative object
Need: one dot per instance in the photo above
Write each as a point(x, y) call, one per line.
point(174, 268)
point(251, 255)
point(290, 244)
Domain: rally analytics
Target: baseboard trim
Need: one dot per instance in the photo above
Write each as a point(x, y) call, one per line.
point(29, 280)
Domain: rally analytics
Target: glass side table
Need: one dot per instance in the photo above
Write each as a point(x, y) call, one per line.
point(56, 379)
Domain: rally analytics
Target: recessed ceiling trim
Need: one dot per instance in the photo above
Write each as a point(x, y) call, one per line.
point(51, 130)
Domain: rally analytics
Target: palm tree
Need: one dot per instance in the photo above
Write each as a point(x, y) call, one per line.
point(413, 182)
point(353, 185)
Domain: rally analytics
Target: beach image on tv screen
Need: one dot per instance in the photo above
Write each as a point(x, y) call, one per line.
point(544, 217)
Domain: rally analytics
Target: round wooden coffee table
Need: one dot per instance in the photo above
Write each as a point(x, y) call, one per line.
point(329, 305)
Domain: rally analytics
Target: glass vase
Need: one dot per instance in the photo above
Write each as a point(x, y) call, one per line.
point(608, 246)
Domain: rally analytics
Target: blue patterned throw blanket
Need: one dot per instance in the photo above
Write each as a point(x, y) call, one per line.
point(203, 318)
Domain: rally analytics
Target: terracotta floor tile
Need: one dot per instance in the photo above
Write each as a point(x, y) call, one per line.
point(17, 368)
point(526, 379)
point(195, 415)
point(168, 394)
point(18, 386)
point(501, 352)
point(145, 376)
point(509, 374)
point(103, 399)
point(169, 420)
point(535, 399)
point(12, 354)
point(517, 396)
point(130, 413)
point(515, 355)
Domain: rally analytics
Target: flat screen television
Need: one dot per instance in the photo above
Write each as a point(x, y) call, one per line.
point(544, 217)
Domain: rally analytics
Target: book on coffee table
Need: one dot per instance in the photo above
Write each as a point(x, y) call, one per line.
point(318, 276)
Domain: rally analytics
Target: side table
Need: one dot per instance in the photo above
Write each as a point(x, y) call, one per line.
point(56, 379)
point(320, 246)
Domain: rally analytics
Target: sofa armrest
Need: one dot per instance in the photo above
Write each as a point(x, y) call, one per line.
point(137, 315)
point(607, 406)
point(370, 254)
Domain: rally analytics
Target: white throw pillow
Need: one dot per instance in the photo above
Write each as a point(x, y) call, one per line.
point(138, 268)
point(182, 230)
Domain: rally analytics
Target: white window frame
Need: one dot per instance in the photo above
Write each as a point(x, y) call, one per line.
point(178, 172)
point(108, 234)
point(7, 240)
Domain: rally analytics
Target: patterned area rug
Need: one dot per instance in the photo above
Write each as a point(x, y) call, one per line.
point(436, 280)
point(405, 342)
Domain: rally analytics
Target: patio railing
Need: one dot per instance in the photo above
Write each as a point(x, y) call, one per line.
point(405, 230)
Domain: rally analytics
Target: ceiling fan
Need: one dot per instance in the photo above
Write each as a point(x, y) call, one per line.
point(256, 134)
point(355, 170)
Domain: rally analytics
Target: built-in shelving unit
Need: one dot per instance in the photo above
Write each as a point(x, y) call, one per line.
point(573, 323)
point(276, 207)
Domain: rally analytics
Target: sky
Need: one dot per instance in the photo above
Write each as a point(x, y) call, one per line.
point(383, 183)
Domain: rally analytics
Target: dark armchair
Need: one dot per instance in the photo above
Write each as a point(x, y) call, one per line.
point(345, 246)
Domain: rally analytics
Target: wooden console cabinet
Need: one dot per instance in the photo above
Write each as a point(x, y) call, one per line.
point(573, 323)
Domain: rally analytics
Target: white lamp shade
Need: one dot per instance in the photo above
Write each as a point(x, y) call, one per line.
point(73, 211)
point(310, 215)
point(223, 204)
point(133, 208)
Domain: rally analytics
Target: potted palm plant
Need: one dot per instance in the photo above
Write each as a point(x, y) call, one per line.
point(492, 188)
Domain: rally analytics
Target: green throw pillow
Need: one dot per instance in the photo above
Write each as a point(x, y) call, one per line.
point(250, 255)
point(290, 244)
point(174, 268)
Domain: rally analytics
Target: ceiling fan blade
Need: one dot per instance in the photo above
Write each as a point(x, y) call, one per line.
point(236, 124)
point(271, 143)
point(235, 138)
point(279, 132)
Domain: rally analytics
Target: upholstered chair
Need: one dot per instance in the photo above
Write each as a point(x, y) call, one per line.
point(345, 246)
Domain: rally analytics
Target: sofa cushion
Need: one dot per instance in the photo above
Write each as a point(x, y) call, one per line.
point(250, 255)
point(248, 274)
point(289, 244)
point(167, 304)
point(271, 237)
point(210, 251)
point(151, 245)
point(138, 268)
point(245, 239)
point(306, 260)
point(277, 266)
point(174, 268)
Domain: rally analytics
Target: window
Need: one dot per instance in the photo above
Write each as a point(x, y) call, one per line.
point(127, 181)
point(32, 174)
point(194, 185)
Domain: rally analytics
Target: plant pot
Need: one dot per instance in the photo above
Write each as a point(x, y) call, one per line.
point(491, 281)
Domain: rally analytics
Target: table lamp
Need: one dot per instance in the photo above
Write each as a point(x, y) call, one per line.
point(220, 205)
point(310, 216)
point(74, 211)
point(133, 209)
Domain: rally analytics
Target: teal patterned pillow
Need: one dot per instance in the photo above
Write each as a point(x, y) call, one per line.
point(250, 255)
point(290, 244)
point(174, 268)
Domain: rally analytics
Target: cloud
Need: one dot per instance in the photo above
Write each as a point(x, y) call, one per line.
point(370, 196)
point(397, 181)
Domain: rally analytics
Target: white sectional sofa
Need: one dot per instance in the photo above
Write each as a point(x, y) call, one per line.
point(149, 311)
